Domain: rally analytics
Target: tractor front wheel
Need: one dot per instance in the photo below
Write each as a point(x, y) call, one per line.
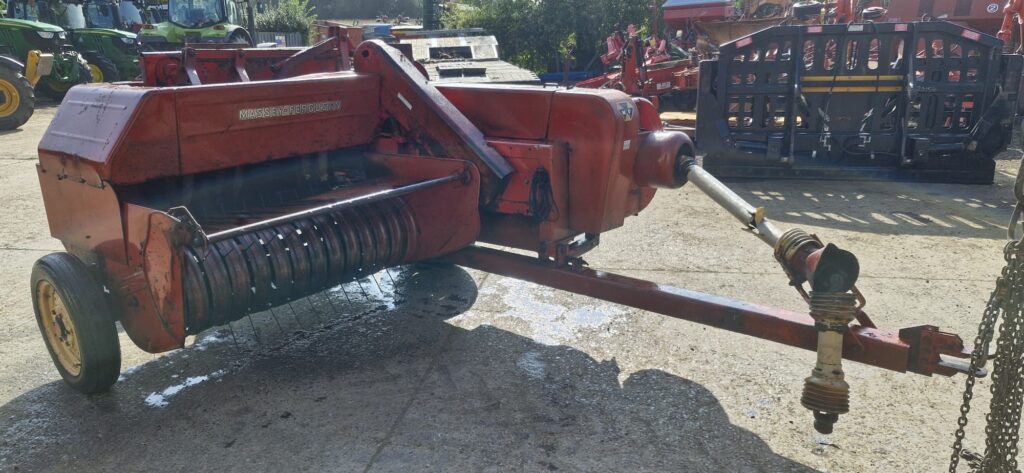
point(57, 90)
point(103, 69)
point(240, 37)
point(76, 323)
point(17, 100)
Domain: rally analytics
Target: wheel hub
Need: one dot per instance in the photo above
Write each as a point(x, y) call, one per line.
point(97, 73)
point(9, 99)
point(59, 328)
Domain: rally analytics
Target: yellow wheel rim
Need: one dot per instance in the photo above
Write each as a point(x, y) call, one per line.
point(97, 73)
point(59, 328)
point(9, 99)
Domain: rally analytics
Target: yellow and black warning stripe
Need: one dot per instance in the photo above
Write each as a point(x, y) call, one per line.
point(851, 78)
point(852, 88)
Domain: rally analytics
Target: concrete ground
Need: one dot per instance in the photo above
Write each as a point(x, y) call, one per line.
point(434, 368)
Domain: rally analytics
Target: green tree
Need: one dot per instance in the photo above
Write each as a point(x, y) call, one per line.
point(288, 16)
point(532, 33)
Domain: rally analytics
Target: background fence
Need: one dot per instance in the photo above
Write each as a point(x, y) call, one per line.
point(282, 39)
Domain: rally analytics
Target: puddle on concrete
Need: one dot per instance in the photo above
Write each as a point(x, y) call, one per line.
point(162, 399)
point(550, 320)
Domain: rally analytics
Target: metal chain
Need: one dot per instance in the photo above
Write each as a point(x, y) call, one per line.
point(1002, 430)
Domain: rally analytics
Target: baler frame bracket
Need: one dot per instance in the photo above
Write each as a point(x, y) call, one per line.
point(928, 344)
point(194, 231)
point(571, 250)
point(915, 349)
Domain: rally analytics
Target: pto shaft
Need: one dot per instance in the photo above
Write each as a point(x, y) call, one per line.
point(826, 392)
point(739, 208)
point(831, 273)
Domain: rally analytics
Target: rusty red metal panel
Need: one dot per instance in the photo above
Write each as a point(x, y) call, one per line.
point(218, 64)
point(428, 118)
point(523, 227)
point(711, 10)
point(126, 133)
point(83, 214)
point(149, 147)
point(243, 123)
point(503, 111)
point(163, 266)
point(147, 288)
point(982, 15)
point(870, 346)
point(658, 162)
point(650, 117)
point(527, 158)
point(601, 129)
point(91, 120)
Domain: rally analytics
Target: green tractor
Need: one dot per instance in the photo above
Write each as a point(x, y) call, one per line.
point(199, 21)
point(101, 31)
point(34, 55)
point(98, 29)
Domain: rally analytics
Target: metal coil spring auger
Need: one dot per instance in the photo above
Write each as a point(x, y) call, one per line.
point(1005, 307)
point(266, 268)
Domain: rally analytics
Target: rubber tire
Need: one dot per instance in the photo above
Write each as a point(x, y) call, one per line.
point(91, 316)
point(26, 95)
point(84, 77)
point(107, 68)
point(240, 37)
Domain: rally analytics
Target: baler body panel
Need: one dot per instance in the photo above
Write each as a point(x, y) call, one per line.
point(199, 204)
point(509, 111)
point(85, 217)
point(100, 126)
point(602, 129)
point(275, 119)
point(428, 117)
point(599, 128)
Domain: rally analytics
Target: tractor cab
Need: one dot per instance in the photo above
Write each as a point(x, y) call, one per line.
point(154, 12)
point(131, 16)
point(37, 16)
point(195, 14)
point(199, 21)
point(97, 30)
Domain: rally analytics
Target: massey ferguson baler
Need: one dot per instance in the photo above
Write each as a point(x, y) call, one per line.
point(202, 195)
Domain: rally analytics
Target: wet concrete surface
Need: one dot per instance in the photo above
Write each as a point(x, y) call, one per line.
point(437, 368)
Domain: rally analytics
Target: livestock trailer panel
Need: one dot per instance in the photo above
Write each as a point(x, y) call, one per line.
point(928, 101)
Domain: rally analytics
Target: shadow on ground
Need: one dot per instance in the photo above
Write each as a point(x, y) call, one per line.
point(888, 208)
point(390, 386)
point(41, 104)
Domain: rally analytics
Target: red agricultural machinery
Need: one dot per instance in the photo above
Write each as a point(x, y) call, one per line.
point(232, 181)
point(649, 73)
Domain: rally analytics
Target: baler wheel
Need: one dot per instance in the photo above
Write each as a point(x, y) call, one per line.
point(76, 323)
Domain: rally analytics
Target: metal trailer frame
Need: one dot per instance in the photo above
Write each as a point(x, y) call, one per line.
point(928, 101)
